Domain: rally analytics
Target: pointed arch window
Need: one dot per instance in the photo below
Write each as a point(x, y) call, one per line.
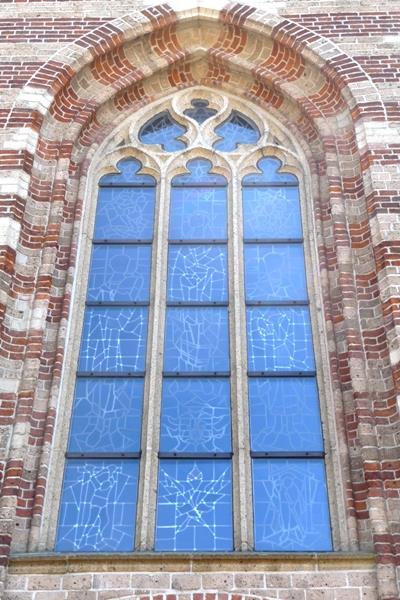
point(158, 449)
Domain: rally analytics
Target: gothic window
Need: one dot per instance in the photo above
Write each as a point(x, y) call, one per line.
point(209, 255)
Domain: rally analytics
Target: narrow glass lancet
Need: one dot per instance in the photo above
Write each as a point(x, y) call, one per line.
point(98, 504)
point(289, 489)
point(165, 131)
point(200, 111)
point(194, 498)
point(237, 129)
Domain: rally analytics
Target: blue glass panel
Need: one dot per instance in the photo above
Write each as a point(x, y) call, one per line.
point(199, 172)
point(194, 505)
point(164, 130)
point(125, 213)
point(275, 272)
point(271, 213)
point(198, 214)
point(120, 273)
point(290, 506)
point(284, 415)
point(107, 415)
point(98, 506)
point(113, 339)
point(279, 339)
point(269, 168)
point(196, 339)
point(197, 273)
point(195, 415)
point(200, 111)
point(128, 174)
point(237, 129)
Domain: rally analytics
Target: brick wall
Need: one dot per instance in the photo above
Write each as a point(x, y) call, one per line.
point(70, 72)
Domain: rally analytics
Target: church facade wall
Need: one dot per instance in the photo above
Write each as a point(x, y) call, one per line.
point(71, 73)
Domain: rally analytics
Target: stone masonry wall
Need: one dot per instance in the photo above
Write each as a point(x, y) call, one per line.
point(70, 72)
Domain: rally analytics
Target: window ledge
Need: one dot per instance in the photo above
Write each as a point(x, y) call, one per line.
point(187, 561)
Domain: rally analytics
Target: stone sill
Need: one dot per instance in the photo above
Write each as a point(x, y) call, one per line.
point(58, 563)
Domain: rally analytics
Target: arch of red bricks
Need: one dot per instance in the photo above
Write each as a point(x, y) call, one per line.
point(315, 90)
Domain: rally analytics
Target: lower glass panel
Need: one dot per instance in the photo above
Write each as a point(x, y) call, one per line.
point(279, 339)
point(195, 415)
point(197, 273)
point(196, 339)
point(290, 505)
point(284, 414)
point(113, 339)
point(98, 506)
point(194, 505)
point(107, 415)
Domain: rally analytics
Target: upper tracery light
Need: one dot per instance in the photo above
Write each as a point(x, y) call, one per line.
point(164, 130)
point(200, 111)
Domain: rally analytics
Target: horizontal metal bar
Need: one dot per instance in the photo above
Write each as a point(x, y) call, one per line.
point(196, 374)
point(103, 455)
point(127, 185)
point(273, 184)
point(197, 304)
point(273, 240)
point(106, 374)
point(287, 454)
point(281, 373)
point(277, 303)
point(117, 303)
point(194, 242)
point(125, 242)
point(195, 455)
point(199, 185)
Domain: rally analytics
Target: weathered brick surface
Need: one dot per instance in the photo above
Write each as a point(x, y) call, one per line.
point(115, 57)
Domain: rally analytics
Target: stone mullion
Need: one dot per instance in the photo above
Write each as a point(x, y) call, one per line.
point(147, 492)
point(242, 492)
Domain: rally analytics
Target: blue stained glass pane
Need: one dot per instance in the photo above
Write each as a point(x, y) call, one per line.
point(125, 213)
point(199, 172)
point(198, 214)
point(275, 272)
point(113, 339)
point(200, 111)
point(98, 506)
point(195, 415)
point(269, 168)
point(271, 213)
point(120, 273)
point(279, 339)
point(164, 130)
point(197, 273)
point(194, 505)
point(237, 129)
point(196, 339)
point(290, 506)
point(284, 415)
point(128, 174)
point(107, 415)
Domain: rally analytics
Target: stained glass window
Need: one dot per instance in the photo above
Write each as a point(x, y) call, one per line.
point(193, 296)
point(98, 503)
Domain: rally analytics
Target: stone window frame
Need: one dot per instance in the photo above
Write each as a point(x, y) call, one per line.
point(122, 143)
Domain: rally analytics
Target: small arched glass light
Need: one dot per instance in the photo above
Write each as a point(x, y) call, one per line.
point(165, 131)
point(200, 111)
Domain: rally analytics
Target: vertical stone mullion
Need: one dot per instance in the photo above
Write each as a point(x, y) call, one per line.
point(242, 492)
point(145, 519)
